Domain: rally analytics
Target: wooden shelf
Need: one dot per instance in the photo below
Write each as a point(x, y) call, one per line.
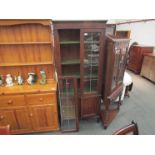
point(24, 43)
point(25, 64)
point(27, 47)
point(91, 42)
point(70, 42)
point(26, 88)
point(71, 62)
point(77, 75)
point(92, 76)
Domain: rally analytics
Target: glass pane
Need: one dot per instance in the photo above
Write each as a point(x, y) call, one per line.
point(68, 108)
point(66, 87)
point(91, 60)
point(67, 104)
point(116, 67)
point(90, 85)
point(121, 68)
point(90, 71)
point(122, 64)
point(68, 125)
point(68, 113)
point(91, 37)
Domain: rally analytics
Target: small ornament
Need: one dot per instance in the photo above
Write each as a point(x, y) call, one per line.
point(1, 80)
point(9, 80)
point(32, 78)
point(43, 77)
point(20, 80)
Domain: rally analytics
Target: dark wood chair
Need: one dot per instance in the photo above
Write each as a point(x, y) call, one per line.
point(5, 130)
point(129, 129)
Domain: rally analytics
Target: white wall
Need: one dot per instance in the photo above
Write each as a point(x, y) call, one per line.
point(142, 32)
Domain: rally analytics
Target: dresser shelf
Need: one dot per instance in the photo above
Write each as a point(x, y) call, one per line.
point(71, 62)
point(25, 64)
point(51, 85)
point(27, 48)
point(69, 42)
point(24, 43)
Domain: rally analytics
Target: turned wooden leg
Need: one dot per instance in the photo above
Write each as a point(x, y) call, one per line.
point(98, 120)
point(105, 126)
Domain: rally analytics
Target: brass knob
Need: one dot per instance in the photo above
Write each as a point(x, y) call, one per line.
point(31, 114)
point(41, 99)
point(10, 102)
point(1, 117)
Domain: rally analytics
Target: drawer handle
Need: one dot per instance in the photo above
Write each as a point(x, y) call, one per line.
point(10, 102)
point(1, 117)
point(41, 99)
point(31, 114)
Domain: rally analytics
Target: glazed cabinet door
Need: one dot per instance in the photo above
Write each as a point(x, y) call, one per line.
point(120, 61)
point(91, 70)
point(43, 118)
point(116, 50)
point(68, 104)
point(91, 51)
point(17, 118)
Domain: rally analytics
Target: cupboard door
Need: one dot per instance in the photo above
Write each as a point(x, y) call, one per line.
point(120, 61)
point(8, 117)
point(89, 106)
point(17, 119)
point(90, 55)
point(23, 120)
point(44, 117)
point(116, 50)
point(115, 68)
point(68, 104)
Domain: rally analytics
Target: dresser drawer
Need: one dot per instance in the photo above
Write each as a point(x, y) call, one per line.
point(48, 98)
point(12, 100)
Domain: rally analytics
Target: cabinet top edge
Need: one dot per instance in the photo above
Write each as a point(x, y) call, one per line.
point(9, 22)
point(76, 21)
point(79, 24)
point(143, 46)
point(114, 39)
point(150, 54)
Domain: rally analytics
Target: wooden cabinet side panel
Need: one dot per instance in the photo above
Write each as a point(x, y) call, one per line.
point(148, 70)
point(136, 57)
point(152, 70)
point(146, 67)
